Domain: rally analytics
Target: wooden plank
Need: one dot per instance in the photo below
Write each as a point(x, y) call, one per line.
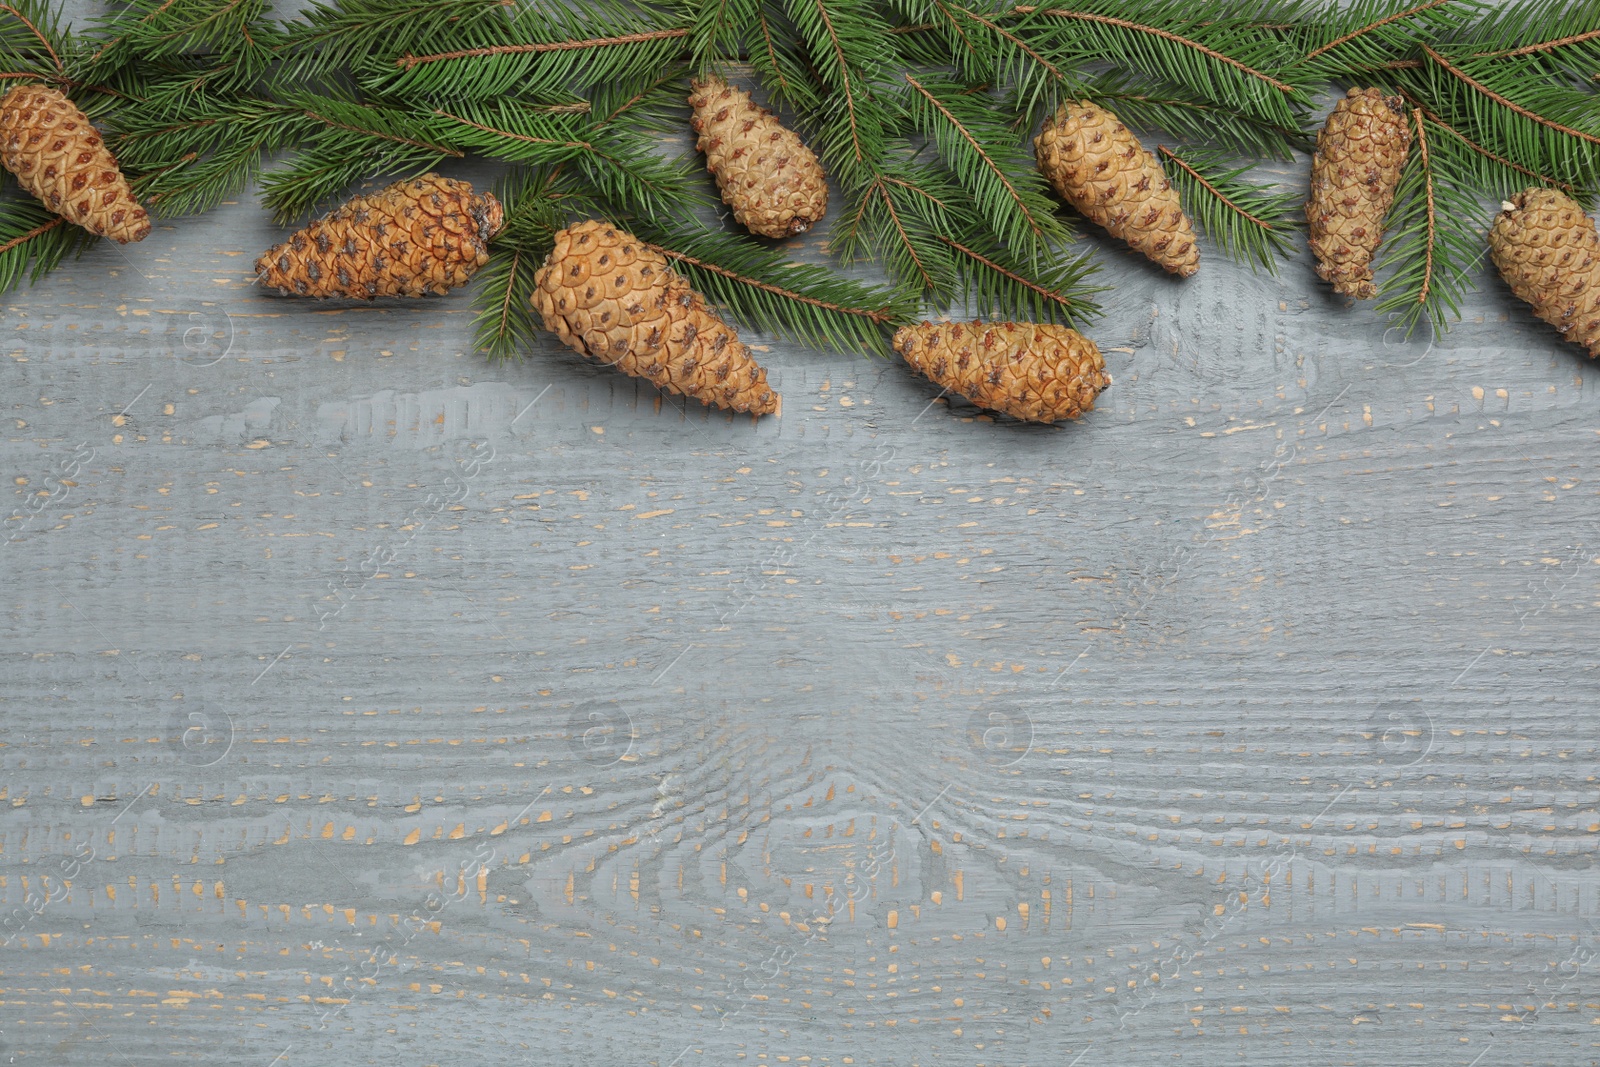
point(382, 718)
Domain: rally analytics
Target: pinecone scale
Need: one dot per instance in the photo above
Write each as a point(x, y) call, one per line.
point(771, 180)
point(1547, 250)
point(59, 157)
point(425, 235)
point(1361, 152)
point(1102, 170)
point(1032, 371)
point(614, 298)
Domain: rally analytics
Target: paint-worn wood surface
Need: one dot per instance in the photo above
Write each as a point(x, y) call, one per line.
point(365, 703)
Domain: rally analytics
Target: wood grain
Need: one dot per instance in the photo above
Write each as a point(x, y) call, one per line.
point(382, 718)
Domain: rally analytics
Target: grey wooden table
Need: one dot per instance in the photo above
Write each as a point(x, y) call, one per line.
point(368, 703)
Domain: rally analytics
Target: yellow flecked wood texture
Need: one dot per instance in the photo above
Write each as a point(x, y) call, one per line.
point(367, 703)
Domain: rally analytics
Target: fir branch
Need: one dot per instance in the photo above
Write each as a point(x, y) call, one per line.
point(37, 231)
point(899, 225)
point(158, 29)
point(1168, 108)
point(900, 216)
point(995, 53)
point(847, 44)
point(720, 30)
point(505, 327)
point(1522, 111)
point(409, 61)
point(1432, 216)
point(536, 202)
point(1168, 36)
point(34, 241)
point(650, 103)
point(1490, 173)
point(553, 140)
point(1541, 46)
point(841, 66)
point(374, 130)
point(1012, 199)
point(1481, 88)
point(539, 49)
point(1372, 29)
point(346, 141)
point(332, 38)
point(40, 15)
point(945, 38)
point(1056, 293)
point(781, 65)
point(1562, 31)
point(189, 159)
point(809, 304)
point(880, 315)
point(1211, 52)
point(1253, 225)
point(1436, 240)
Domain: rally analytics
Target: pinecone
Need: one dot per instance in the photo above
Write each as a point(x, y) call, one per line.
point(1547, 250)
point(59, 157)
point(772, 181)
point(1032, 371)
point(1361, 151)
point(426, 235)
point(610, 296)
point(1102, 170)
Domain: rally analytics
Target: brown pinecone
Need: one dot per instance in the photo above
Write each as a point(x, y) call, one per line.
point(1547, 250)
point(772, 181)
point(610, 296)
point(1361, 151)
point(1032, 371)
point(1102, 170)
point(59, 157)
point(425, 235)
